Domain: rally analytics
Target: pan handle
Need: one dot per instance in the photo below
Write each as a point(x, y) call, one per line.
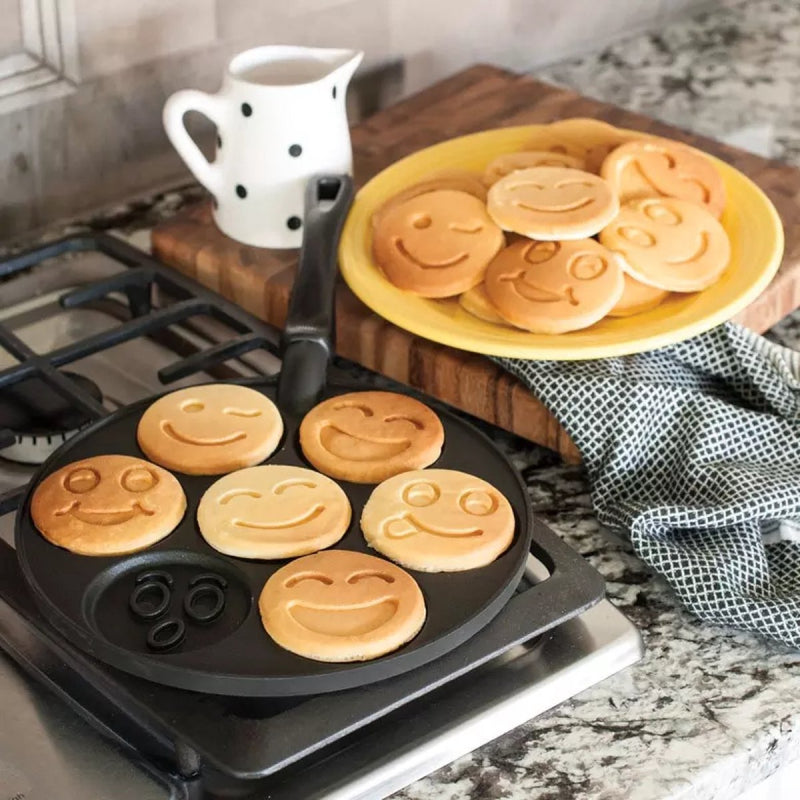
point(307, 341)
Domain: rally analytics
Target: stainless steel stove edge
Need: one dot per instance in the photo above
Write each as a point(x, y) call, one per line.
point(582, 652)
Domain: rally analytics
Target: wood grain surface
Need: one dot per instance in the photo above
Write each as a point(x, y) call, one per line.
point(473, 100)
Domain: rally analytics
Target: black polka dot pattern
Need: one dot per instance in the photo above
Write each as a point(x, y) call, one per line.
point(247, 109)
point(293, 223)
point(295, 150)
point(241, 191)
point(334, 92)
point(219, 141)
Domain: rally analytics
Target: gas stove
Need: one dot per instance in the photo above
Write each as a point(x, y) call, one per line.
point(116, 326)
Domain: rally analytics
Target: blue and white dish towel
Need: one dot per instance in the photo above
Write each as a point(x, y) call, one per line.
point(694, 452)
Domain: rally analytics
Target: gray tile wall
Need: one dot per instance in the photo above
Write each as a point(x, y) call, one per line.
point(100, 139)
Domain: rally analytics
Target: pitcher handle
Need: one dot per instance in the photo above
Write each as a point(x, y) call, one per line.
point(211, 106)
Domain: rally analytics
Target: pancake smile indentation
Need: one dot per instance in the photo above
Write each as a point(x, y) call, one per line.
point(345, 621)
point(356, 448)
point(556, 209)
point(566, 295)
point(421, 528)
point(698, 254)
point(450, 262)
point(167, 428)
point(112, 517)
point(287, 523)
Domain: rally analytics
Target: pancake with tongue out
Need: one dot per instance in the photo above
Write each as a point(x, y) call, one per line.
point(438, 520)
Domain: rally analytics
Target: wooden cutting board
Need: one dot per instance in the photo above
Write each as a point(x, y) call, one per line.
point(476, 99)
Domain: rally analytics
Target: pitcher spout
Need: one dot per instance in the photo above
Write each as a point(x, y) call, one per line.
point(346, 64)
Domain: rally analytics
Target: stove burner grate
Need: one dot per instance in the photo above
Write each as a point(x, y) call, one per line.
point(40, 417)
point(138, 283)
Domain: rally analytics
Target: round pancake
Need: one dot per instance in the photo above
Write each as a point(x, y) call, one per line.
point(436, 244)
point(365, 437)
point(510, 162)
point(438, 520)
point(476, 302)
point(554, 287)
point(552, 203)
point(341, 606)
point(211, 429)
point(674, 245)
point(273, 511)
point(663, 168)
point(458, 180)
point(636, 298)
point(107, 505)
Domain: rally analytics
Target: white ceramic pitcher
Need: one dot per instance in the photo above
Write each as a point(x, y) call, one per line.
point(280, 118)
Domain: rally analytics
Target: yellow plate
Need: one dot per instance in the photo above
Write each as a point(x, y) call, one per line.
point(750, 219)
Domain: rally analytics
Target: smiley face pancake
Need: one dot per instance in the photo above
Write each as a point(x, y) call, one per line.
point(597, 139)
point(670, 244)
point(552, 203)
point(209, 430)
point(107, 505)
point(554, 287)
point(636, 298)
point(273, 511)
point(365, 437)
point(662, 168)
point(436, 244)
point(341, 606)
point(438, 520)
point(510, 162)
point(457, 180)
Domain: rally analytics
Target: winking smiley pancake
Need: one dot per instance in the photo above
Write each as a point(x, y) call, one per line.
point(208, 430)
point(436, 244)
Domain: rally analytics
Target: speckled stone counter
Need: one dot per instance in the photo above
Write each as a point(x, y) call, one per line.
point(708, 712)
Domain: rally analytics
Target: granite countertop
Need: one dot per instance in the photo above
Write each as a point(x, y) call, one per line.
point(708, 712)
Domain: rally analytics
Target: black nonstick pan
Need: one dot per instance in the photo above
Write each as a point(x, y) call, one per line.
point(182, 614)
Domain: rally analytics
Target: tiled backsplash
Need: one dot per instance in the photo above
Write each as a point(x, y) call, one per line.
point(82, 83)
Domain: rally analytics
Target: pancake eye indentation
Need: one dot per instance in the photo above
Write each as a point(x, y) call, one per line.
point(478, 502)
point(242, 412)
point(474, 228)
point(365, 410)
point(138, 479)
point(81, 480)
point(284, 485)
point(228, 496)
point(415, 422)
point(308, 576)
point(360, 576)
point(422, 221)
point(421, 494)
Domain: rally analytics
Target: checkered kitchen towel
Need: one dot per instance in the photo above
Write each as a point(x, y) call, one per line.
point(694, 450)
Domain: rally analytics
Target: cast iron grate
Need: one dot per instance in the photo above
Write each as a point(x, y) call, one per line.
point(137, 283)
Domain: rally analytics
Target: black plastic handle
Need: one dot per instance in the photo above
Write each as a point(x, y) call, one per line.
point(308, 336)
